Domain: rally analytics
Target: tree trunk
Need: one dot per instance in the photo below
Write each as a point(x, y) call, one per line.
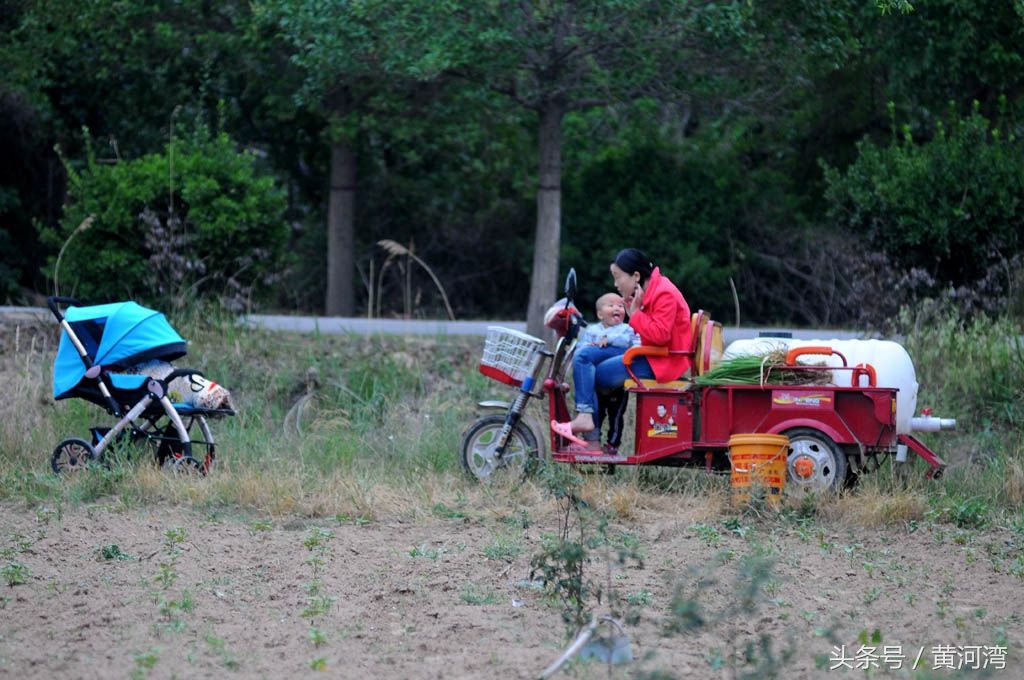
point(547, 242)
point(341, 231)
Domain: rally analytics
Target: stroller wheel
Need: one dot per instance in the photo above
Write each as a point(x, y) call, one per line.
point(184, 466)
point(72, 455)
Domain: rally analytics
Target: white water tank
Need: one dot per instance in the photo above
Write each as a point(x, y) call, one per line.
point(893, 366)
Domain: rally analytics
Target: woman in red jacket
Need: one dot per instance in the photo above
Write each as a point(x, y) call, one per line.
point(659, 314)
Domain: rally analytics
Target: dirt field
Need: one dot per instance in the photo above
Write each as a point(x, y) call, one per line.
point(449, 595)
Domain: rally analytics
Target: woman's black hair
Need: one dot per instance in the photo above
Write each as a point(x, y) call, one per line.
point(632, 260)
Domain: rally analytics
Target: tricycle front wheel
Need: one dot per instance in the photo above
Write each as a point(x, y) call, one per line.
point(478, 453)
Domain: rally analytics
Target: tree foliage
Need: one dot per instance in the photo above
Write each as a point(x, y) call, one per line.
point(557, 57)
point(194, 219)
point(740, 143)
point(952, 206)
point(363, 63)
point(124, 70)
point(681, 212)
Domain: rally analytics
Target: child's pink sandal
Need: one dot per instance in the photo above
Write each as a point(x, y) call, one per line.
point(564, 430)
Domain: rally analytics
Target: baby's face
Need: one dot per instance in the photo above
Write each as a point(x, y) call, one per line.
point(611, 310)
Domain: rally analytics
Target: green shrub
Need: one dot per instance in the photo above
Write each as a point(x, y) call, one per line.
point(950, 207)
point(193, 220)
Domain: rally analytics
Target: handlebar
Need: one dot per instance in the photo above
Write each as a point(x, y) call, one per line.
point(566, 321)
point(54, 302)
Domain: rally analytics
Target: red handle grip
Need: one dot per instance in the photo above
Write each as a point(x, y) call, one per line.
point(792, 354)
point(643, 351)
point(863, 369)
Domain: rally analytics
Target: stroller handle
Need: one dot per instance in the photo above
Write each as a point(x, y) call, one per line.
point(54, 301)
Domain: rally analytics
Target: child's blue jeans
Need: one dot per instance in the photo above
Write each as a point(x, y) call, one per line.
point(600, 369)
point(598, 374)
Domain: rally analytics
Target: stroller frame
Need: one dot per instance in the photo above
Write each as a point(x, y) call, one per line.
point(134, 398)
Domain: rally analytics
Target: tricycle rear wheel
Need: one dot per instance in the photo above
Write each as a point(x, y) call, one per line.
point(815, 462)
point(478, 454)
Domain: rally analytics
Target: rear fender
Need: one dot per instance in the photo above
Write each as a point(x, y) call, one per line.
point(842, 441)
point(813, 424)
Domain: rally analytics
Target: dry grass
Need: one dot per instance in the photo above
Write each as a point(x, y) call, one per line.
point(379, 439)
point(627, 497)
point(872, 506)
point(1013, 483)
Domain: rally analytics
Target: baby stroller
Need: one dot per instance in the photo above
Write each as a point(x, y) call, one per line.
point(99, 346)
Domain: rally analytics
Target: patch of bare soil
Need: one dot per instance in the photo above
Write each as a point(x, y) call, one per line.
point(450, 597)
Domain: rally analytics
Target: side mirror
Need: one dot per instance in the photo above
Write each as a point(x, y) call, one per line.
point(570, 285)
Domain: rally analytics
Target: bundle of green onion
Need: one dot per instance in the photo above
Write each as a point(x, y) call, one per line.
point(762, 369)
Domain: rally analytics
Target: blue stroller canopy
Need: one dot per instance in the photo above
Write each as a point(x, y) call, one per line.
point(116, 335)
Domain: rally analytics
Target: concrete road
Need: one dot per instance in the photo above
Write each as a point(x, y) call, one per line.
point(309, 324)
point(363, 326)
point(26, 313)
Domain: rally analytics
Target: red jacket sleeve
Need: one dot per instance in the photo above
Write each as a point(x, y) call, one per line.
point(656, 320)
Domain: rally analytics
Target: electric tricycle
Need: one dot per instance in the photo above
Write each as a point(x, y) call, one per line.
point(836, 431)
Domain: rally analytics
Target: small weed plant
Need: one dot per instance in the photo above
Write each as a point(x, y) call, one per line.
point(15, 573)
point(169, 606)
point(583, 539)
point(318, 603)
point(112, 552)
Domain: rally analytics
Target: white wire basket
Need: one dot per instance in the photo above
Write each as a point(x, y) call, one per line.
point(508, 354)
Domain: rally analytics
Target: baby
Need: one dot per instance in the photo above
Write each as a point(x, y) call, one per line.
point(598, 343)
point(611, 332)
point(193, 390)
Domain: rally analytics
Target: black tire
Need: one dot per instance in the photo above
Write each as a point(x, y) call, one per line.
point(476, 454)
point(72, 455)
point(168, 447)
point(170, 451)
point(830, 467)
point(184, 466)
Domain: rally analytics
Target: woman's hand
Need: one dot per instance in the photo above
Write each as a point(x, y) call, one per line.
point(636, 299)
